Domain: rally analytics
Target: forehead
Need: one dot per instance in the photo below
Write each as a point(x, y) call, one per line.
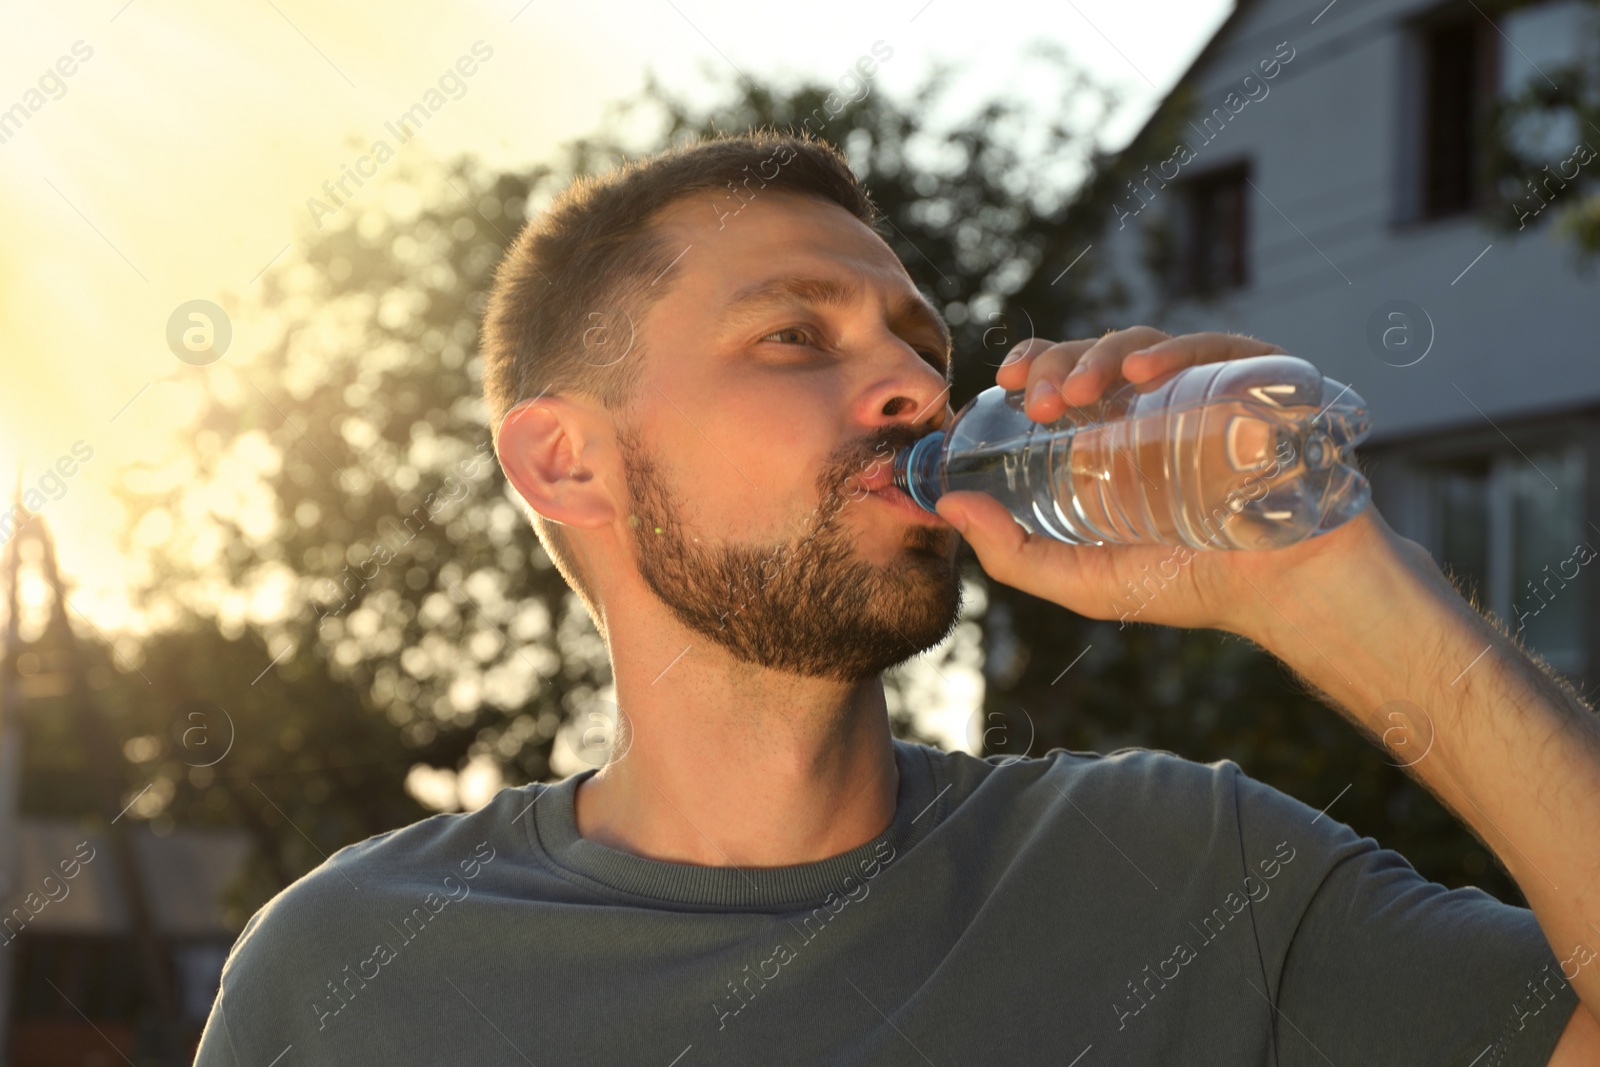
point(724, 246)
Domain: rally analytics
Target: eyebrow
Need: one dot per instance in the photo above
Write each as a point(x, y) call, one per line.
point(912, 308)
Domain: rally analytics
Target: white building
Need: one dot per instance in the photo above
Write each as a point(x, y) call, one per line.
point(1321, 191)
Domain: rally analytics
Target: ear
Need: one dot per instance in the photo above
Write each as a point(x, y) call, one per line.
point(548, 448)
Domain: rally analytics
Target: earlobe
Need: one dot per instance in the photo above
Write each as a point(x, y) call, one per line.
point(548, 448)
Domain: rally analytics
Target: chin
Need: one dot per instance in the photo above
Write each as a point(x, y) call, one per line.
point(922, 595)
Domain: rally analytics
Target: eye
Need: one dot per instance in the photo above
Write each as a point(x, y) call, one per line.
point(792, 335)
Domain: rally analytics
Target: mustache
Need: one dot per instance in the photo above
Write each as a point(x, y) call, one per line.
point(860, 456)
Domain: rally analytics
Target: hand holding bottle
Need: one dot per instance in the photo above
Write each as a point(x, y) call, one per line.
point(1163, 583)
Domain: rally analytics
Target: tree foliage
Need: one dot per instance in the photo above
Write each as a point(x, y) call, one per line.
point(1542, 138)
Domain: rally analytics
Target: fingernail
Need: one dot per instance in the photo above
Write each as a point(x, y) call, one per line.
point(1011, 357)
point(957, 518)
point(1039, 390)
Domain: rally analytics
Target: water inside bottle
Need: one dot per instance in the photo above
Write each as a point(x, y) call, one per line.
point(1226, 472)
point(1253, 453)
point(1191, 476)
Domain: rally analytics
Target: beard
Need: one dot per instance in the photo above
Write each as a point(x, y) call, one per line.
point(807, 605)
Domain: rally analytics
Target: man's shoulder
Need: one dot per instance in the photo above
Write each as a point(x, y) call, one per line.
point(429, 862)
point(1151, 790)
point(1130, 771)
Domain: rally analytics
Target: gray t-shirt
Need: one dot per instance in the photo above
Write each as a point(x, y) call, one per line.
point(1074, 908)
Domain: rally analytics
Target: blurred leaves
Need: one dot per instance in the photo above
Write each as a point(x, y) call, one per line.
point(1542, 162)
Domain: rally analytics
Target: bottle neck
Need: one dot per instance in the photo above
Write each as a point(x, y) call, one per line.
point(916, 470)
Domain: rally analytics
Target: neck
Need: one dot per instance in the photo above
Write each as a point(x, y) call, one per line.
point(728, 765)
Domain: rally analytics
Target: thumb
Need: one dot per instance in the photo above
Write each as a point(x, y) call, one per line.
point(1041, 566)
point(988, 527)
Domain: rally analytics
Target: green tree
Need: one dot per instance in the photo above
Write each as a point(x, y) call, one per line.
point(341, 525)
point(1543, 138)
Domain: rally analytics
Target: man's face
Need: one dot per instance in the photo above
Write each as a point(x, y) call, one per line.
point(791, 356)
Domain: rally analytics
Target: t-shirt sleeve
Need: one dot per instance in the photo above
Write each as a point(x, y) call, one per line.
point(1368, 962)
point(215, 1048)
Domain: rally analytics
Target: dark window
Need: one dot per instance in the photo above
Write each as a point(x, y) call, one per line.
point(1461, 500)
point(1211, 254)
point(1456, 57)
point(61, 975)
point(1511, 529)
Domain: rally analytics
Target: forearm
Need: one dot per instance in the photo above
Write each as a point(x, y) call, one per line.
point(1513, 752)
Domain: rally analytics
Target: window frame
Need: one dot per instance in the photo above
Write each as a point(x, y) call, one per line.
point(1413, 128)
point(1404, 482)
point(1184, 282)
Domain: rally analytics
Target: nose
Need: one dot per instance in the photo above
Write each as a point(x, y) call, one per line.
point(908, 392)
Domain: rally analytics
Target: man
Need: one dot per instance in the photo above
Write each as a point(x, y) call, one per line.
point(696, 367)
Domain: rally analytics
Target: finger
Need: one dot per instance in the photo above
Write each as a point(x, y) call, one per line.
point(1042, 398)
point(1087, 376)
point(1190, 349)
point(1013, 373)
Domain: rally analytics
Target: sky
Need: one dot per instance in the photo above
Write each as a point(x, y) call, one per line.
point(154, 153)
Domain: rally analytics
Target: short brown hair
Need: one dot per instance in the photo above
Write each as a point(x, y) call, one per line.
point(596, 247)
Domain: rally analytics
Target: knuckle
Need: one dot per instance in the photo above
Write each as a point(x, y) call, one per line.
point(1097, 348)
point(1050, 364)
point(1143, 337)
point(1026, 350)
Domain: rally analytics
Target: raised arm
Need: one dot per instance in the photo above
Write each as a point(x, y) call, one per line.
point(1506, 745)
point(1367, 618)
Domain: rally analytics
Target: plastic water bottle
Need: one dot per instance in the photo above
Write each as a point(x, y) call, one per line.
point(1245, 454)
